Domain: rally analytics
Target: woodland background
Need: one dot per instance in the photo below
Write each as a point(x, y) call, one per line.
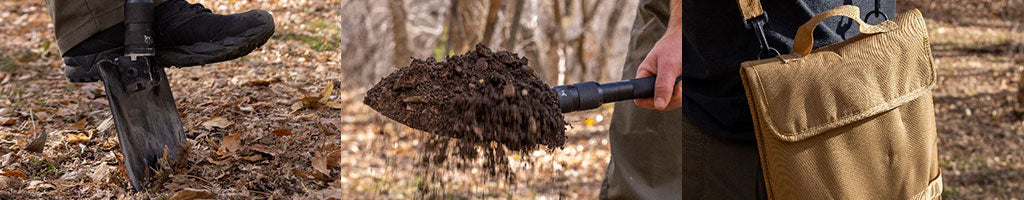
point(250, 140)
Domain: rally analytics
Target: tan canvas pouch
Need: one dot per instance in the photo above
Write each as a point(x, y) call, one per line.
point(851, 120)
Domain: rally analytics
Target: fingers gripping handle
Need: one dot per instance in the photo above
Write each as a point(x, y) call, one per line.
point(805, 35)
point(590, 95)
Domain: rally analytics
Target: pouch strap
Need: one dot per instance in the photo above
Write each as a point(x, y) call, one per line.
point(750, 8)
point(755, 18)
point(805, 35)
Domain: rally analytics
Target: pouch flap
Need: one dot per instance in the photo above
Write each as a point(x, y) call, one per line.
point(842, 83)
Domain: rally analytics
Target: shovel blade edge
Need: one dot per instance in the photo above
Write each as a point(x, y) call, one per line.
point(147, 122)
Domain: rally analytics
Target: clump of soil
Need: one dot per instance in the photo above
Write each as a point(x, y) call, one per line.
point(479, 98)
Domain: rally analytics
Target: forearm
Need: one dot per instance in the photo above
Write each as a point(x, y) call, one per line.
point(675, 21)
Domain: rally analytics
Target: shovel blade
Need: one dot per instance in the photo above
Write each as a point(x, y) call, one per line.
point(147, 122)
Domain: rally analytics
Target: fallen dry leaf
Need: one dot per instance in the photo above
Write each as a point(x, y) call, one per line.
point(253, 158)
point(73, 138)
point(298, 106)
point(42, 116)
point(216, 122)
point(282, 132)
point(38, 143)
point(17, 173)
point(105, 125)
point(328, 127)
point(334, 158)
point(262, 82)
point(310, 175)
point(189, 194)
point(230, 144)
point(335, 105)
point(326, 94)
point(320, 163)
point(319, 101)
point(79, 125)
point(8, 121)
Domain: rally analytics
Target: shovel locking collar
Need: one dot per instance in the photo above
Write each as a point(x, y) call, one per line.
point(147, 121)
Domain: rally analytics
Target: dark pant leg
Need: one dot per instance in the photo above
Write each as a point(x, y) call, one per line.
point(646, 146)
point(658, 154)
point(76, 20)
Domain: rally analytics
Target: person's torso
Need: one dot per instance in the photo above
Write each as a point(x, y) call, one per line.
point(716, 41)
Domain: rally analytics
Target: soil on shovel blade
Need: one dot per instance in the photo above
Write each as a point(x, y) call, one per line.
point(478, 98)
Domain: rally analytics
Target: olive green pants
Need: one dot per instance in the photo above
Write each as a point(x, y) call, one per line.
point(658, 154)
point(76, 20)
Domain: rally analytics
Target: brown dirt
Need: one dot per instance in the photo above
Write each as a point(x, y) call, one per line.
point(481, 97)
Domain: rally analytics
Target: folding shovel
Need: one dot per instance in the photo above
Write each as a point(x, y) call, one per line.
point(590, 95)
point(147, 121)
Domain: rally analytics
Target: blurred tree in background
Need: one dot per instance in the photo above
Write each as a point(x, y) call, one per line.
point(566, 41)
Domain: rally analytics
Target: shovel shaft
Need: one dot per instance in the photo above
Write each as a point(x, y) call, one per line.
point(590, 95)
point(138, 20)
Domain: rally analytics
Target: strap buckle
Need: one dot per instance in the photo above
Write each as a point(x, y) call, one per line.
point(758, 24)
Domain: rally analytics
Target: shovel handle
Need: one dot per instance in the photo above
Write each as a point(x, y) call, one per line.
point(590, 95)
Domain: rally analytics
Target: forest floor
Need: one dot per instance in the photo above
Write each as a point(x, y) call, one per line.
point(252, 136)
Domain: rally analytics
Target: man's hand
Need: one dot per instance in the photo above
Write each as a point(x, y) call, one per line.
point(666, 61)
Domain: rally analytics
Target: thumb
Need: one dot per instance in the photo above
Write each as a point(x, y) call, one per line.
point(664, 86)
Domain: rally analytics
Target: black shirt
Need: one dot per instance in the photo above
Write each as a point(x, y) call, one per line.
point(716, 41)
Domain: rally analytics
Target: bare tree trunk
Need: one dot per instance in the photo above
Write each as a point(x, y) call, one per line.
point(556, 38)
point(492, 17)
point(606, 41)
point(399, 32)
point(580, 41)
point(514, 30)
point(468, 23)
point(453, 15)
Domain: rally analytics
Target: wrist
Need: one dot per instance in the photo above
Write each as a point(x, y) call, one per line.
point(673, 32)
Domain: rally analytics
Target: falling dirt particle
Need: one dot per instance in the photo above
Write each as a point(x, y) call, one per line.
point(282, 132)
point(16, 173)
point(533, 125)
point(508, 91)
point(190, 194)
point(216, 122)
